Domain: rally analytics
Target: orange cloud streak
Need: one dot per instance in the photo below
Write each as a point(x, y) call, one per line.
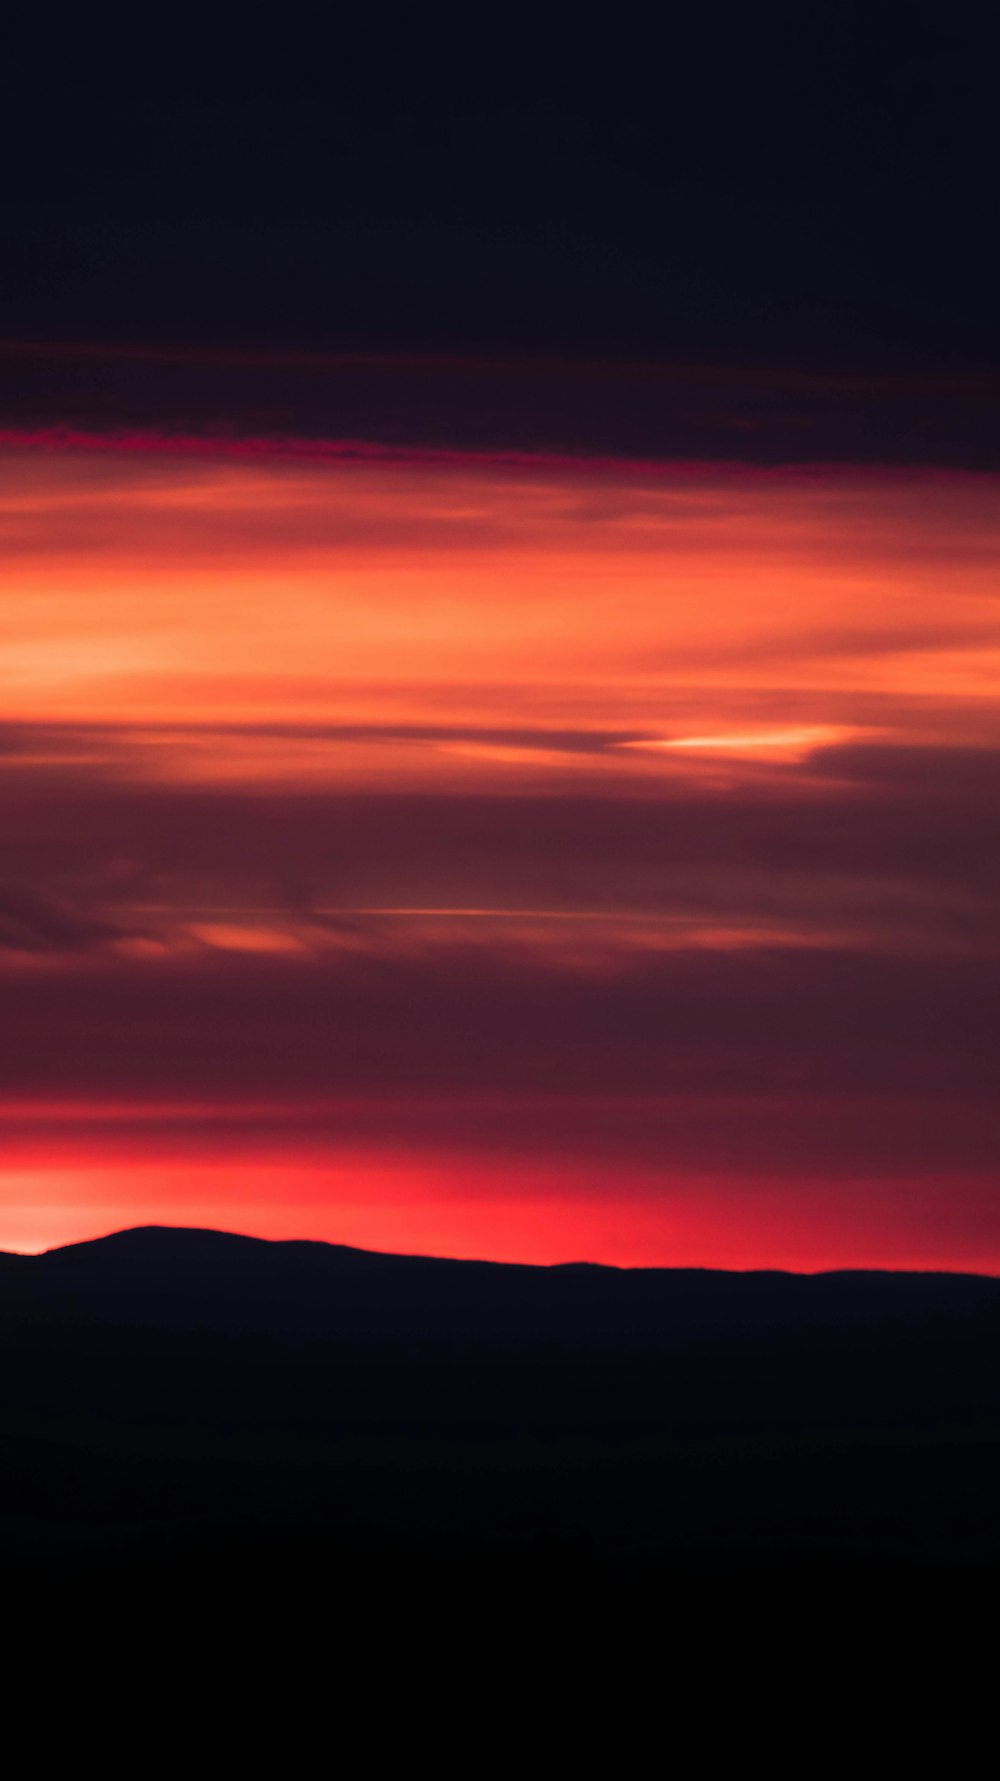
point(161, 589)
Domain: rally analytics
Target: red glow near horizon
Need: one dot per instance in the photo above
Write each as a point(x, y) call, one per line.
point(627, 822)
point(473, 1208)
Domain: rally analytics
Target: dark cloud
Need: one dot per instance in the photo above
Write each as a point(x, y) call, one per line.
point(861, 833)
point(916, 773)
point(451, 403)
point(877, 1150)
point(457, 1020)
point(31, 921)
point(871, 1057)
point(767, 1069)
point(99, 748)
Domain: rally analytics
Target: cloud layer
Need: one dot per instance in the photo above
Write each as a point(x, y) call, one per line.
point(615, 841)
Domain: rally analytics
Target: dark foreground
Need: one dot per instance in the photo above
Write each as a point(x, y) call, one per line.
point(260, 1429)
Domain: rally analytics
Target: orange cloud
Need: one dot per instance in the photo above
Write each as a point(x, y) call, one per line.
point(168, 588)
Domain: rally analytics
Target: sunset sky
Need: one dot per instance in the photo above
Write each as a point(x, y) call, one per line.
point(500, 633)
point(498, 851)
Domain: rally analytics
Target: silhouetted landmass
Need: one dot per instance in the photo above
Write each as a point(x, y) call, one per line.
point(172, 1391)
point(178, 1279)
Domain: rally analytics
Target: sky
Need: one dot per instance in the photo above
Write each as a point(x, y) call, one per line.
point(762, 182)
point(499, 634)
point(499, 853)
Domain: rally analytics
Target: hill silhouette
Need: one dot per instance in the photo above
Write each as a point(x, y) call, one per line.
point(183, 1404)
point(170, 1277)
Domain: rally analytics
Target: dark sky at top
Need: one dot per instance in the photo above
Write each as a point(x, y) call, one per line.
point(812, 185)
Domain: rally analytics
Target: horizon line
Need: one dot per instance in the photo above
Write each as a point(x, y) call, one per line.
point(487, 1261)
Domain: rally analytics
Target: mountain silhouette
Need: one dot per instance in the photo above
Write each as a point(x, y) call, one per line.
point(289, 1418)
point(169, 1277)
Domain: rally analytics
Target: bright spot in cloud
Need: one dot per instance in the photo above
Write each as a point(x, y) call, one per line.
point(787, 744)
